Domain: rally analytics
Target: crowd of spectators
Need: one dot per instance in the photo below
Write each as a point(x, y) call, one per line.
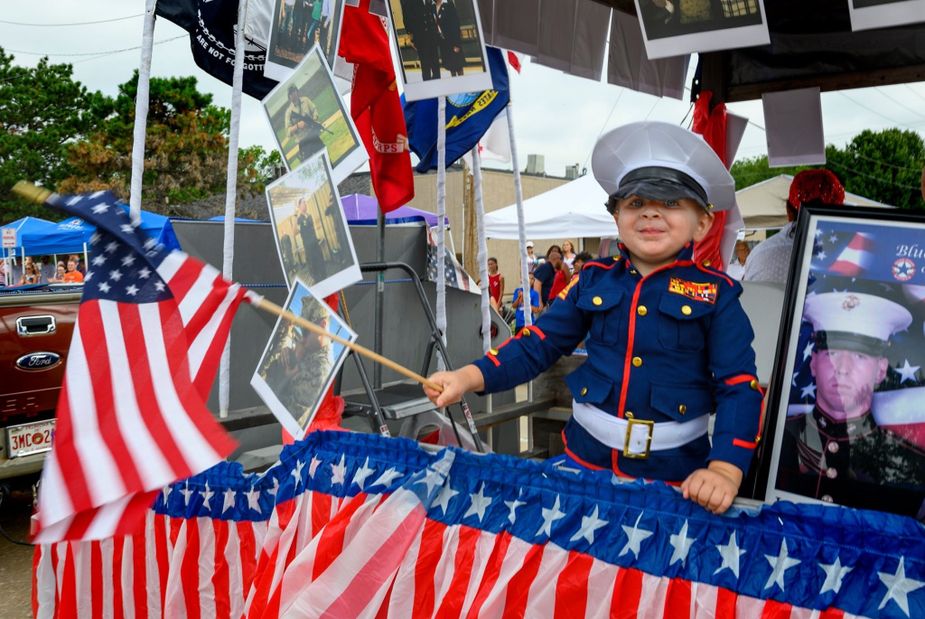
point(31, 270)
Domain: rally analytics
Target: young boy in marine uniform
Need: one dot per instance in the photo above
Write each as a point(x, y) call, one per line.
point(668, 341)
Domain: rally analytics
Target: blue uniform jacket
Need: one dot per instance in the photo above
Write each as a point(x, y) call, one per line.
point(671, 346)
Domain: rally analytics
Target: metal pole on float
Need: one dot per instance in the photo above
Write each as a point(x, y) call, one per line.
point(521, 227)
point(231, 195)
point(141, 113)
point(483, 247)
point(441, 225)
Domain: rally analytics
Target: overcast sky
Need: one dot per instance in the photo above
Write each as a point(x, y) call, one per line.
point(556, 115)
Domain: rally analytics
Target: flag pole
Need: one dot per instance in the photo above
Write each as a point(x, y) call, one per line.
point(521, 226)
point(441, 224)
point(231, 194)
point(273, 308)
point(141, 112)
point(483, 246)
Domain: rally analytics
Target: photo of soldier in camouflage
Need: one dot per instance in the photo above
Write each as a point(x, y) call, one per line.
point(298, 365)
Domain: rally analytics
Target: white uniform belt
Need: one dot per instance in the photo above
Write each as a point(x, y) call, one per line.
point(612, 431)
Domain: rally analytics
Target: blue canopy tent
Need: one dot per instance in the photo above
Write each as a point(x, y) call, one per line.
point(70, 235)
point(29, 226)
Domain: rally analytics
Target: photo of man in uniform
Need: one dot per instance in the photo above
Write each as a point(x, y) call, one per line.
point(302, 123)
point(836, 452)
point(420, 18)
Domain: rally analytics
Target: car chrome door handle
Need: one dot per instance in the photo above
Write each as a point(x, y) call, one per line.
point(27, 326)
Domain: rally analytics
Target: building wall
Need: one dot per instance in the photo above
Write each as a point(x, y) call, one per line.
point(497, 193)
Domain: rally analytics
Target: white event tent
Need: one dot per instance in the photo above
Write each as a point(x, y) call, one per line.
point(576, 209)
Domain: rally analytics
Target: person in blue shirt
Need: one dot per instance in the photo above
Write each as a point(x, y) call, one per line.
point(518, 304)
point(668, 341)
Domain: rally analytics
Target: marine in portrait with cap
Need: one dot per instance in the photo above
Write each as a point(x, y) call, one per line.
point(836, 452)
point(668, 341)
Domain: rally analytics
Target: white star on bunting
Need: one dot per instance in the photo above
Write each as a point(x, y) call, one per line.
point(387, 477)
point(359, 478)
point(589, 524)
point(513, 505)
point(443, 499)
point(635, 537)
point(313, 466)
point(550, 515)
point(730, 553)
point(297, 473)
point(898, 587)
point(479, 502)
point(228, 500)
point(834, 574)
point(781, 563)
point(339, 471)
point(681, 544)
point(253, 499)
point(206, 496)
point(187, 493)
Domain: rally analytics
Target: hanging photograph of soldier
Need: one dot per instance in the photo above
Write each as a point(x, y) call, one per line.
point(296, 26)
point(848, 396)
point(440, 46)
point(298, 366)
point(312, 238)
point(677, 27)
point(308, 116)
point(868, 14)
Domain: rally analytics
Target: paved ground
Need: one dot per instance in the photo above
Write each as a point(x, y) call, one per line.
point(15, 560)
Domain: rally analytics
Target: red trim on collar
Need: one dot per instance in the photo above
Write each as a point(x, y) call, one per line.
point(601, 265)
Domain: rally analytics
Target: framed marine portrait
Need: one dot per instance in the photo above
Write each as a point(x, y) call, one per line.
point(310, 229)
point(308, 116)
point(298, 366)
point(846, 405)
point(440, 45)
point(678, 27)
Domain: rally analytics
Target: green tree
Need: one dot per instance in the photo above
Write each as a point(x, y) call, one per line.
point(43, 112)
point(186, 149)
point(882, 165)
point(885, 166)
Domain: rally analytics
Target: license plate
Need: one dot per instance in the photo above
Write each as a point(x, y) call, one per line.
point(30, 438)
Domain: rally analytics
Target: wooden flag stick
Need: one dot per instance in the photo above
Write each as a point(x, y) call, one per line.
point(273, 308)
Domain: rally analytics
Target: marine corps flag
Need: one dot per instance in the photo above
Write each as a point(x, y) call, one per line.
point(468, 117)
point(212, 25)
point(376, 107)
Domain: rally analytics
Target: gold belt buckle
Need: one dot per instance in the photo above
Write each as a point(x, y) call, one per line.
point(630, 422)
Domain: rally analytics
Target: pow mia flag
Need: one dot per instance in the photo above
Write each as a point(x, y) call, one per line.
point(212, 25)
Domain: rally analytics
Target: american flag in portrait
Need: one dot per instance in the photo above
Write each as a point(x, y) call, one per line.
point(355, 525)
point(131, 416)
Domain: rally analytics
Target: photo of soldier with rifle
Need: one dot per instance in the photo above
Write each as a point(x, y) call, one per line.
point(302, 123)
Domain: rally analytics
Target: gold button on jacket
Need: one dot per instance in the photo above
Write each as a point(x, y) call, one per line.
point(637, 361)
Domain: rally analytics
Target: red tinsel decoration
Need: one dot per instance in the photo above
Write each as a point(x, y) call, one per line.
point(816, 186)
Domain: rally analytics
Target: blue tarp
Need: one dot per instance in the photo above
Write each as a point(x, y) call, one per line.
point(69, 236)
point(29, 226)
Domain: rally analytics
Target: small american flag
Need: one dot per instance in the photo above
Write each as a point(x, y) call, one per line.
point(131, 415)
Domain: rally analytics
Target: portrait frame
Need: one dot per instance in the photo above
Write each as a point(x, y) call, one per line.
point(277, 380)
point(870, 14)
point(839, 425)
point(313, 240)
point(284, 55)
point(332, 131)
point(475, 75)
point(667, 32)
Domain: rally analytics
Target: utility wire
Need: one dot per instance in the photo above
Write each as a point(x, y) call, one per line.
point(872, 110)
point(875, 178)
point(79, 23)
point(96, 53)
point(899, 103)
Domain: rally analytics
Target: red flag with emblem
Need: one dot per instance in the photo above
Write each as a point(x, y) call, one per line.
point(376, 107)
